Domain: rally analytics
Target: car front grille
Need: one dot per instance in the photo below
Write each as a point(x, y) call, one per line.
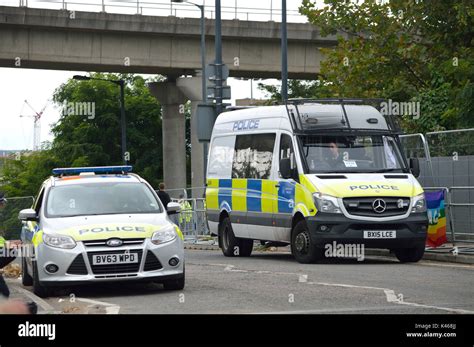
point(78, 266)
point(364, 206)
point(151, 262)
point(102, 243)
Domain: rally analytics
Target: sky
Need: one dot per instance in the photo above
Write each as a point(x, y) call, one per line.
point(37, 86)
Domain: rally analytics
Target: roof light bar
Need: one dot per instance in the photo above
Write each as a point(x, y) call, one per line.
point(95, 169)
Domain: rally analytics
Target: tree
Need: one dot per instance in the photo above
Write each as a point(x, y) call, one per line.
point(82, 140)
point(403, 50)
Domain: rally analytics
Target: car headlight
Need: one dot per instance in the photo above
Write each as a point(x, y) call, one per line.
point(164, 235)
point(419, 204)
point(59, 241)
point(326, 203)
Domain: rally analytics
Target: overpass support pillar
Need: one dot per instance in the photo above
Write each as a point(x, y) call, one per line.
point(174, 132)
point(191, 87)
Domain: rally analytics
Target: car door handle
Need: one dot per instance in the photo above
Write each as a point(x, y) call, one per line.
point(277, 185)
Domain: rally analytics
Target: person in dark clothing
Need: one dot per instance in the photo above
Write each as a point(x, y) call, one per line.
point(164, 197)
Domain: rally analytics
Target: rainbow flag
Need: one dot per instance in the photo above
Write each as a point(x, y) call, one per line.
point(437, 218)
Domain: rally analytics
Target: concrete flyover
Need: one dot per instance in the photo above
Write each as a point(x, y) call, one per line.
point(98, 41)
point(94, 41)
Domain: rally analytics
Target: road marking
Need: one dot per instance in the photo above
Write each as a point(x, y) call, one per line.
point(109, 308)
point(390, 295)
point(303, 278)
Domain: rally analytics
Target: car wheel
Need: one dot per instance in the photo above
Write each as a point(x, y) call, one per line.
point(38, 288)
point(410, 255)
point(176, 284)
point(26, 278)
point(302, 246)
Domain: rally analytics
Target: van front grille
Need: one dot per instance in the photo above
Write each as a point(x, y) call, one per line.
point(370, 206)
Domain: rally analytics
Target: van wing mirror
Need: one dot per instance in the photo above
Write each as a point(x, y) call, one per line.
point(415, 167)
point(28, 214)
point(285, 168)
point(173, 208)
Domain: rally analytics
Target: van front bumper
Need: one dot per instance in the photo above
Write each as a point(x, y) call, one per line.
point(410, 231)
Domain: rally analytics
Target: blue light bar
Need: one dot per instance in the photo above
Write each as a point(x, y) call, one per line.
point(96, 169)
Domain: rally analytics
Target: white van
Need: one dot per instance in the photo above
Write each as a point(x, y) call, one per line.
point(310, 173)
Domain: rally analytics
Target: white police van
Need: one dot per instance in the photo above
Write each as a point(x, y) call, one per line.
point(99, 224)
point(310, 173)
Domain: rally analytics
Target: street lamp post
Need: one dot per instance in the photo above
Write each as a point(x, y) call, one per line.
point(284, 54)
point(123, 125)
point(203, 47)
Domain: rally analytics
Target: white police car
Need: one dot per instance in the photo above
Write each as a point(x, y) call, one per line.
point(99, 224)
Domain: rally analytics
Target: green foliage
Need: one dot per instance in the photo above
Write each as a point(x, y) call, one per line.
point(80, 141)
point(402, 50)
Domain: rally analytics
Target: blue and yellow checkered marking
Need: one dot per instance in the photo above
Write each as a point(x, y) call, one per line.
point(253, 195)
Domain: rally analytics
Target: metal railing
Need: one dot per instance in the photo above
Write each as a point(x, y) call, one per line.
point(231, 9)
point(9, 222)
point(192, 219)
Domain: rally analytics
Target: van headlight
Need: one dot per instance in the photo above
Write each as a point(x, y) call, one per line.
point(326, 203)
point(59, 241)
point(418, 204)
point(164, 235)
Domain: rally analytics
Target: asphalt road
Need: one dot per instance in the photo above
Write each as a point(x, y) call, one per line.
point(275, 283)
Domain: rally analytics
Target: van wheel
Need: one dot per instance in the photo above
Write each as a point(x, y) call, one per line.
point(26, 279)
point(38, 288)
point(246, 247)
point(410, 255)
point(233, 246)
point(302, 246)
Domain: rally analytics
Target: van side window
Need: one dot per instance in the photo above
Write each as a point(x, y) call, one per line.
point(286, 151)
point(253, 156)
point(220, 158)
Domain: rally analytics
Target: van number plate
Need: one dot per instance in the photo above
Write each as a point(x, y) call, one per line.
point(107, 259)
point(380, 234)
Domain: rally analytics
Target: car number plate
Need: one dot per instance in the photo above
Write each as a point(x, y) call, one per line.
point(119, 258)
point(380, 234)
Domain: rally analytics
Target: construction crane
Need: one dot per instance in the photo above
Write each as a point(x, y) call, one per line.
point(36, 125)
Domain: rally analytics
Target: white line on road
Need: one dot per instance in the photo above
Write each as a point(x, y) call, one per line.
point(390, 295)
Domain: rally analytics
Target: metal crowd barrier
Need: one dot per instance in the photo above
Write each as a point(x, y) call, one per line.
point(192, 219)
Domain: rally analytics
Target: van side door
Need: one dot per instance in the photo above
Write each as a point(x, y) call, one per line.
point(286, 190)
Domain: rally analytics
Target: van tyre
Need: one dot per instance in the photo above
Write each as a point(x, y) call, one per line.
point(302, 245)
point(38, 288)
point(26, 279)
point(233, 246)
point(410, 255)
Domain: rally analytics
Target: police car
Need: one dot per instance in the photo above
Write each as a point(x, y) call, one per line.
point(99, 224)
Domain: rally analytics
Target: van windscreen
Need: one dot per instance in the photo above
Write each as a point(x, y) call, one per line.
point(346, 154)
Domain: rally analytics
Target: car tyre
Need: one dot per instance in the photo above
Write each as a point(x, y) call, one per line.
point(410, 255)
point(26, 278)
point(302, 245)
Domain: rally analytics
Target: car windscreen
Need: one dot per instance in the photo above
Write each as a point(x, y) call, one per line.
point(346, 154)
point(100, 198)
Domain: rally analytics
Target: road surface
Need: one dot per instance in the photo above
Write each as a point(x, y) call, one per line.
point(271, 282)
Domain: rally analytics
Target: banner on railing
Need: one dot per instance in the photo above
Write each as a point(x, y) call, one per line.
point(437, 218)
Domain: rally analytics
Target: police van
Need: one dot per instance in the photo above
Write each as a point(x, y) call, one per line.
point(99, 224)
point(310, 173)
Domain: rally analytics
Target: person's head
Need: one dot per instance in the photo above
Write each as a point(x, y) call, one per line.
point(181, 196)
point(162, 186)
point(334, 149)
